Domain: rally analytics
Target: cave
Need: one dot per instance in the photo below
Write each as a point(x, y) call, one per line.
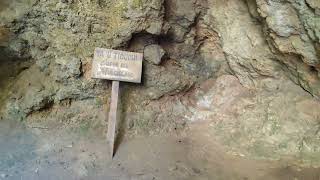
point(228, 90)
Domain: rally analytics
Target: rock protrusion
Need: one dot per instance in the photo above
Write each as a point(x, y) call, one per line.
point(154, 53)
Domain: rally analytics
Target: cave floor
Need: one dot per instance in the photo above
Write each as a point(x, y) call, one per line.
point(39, 153)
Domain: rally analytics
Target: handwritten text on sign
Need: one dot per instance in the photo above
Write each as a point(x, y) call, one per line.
point(117, 65)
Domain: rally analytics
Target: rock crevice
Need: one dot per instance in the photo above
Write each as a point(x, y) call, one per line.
point(191, 47)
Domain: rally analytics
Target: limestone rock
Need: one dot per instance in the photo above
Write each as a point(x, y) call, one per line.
point(153, 53)
point(70, 66)
point(315, 5)
point(35, 99)
point(11, 10)
point(247, 52)
point(288, 33)
point(258, 124)
point(265, 54)
point(297, 34)
point(181, 12)
point(280, 17)
point(163, 81)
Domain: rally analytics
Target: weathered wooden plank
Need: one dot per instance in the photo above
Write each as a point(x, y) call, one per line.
point(113, 117)
point(117, 65)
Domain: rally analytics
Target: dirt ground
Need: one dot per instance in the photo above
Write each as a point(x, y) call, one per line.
point(38, 153)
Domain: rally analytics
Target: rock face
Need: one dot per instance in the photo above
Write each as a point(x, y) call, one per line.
point(264, 124)
point(153, 53)
point(250, 67)
point(270, 33)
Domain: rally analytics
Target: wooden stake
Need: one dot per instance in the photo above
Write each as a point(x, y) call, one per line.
point(113, 117)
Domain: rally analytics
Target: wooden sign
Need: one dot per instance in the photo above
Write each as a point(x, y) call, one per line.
point(117, 65)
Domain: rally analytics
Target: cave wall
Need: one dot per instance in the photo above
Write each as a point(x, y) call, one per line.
point(254, 57)
point(60, 36)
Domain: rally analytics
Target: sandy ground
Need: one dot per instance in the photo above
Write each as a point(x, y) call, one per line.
point(36, 153)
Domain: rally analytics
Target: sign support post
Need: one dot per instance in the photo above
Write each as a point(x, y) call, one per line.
point(113, 116)
point(117, 66)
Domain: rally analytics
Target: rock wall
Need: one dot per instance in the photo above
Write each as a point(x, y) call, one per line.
point(265, 54)
point(59, 38)
point(262, 37)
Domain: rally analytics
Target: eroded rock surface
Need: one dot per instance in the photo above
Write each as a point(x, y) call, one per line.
point(265, 124)
point(153, 53)
point(265, 54)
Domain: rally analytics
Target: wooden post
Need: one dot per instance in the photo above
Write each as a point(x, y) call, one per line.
point(113, 117)
point(117, 66)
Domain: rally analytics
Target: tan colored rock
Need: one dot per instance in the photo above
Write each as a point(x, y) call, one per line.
point(153, 53)
point(315, 4)
point(4, 36)
point(262, 45)
point(263, 124)
point(14, 9)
